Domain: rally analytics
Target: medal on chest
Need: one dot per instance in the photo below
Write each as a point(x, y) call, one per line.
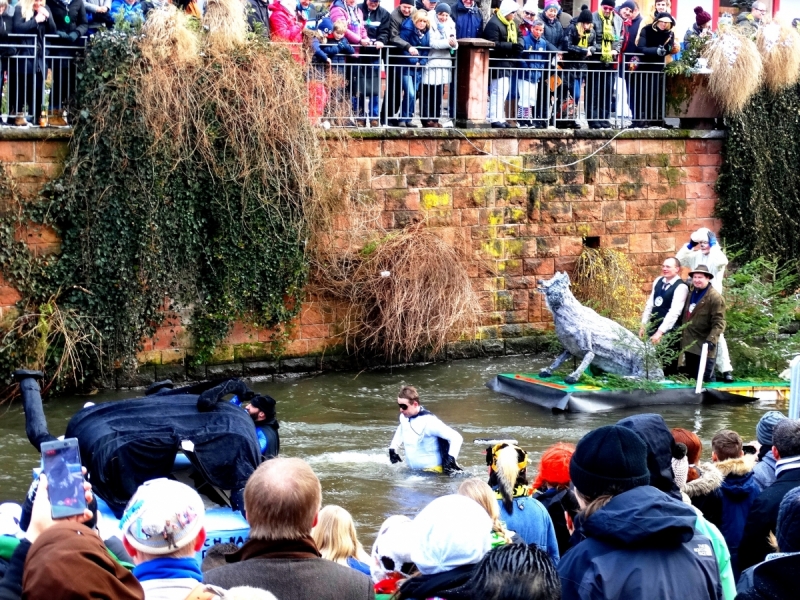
point(66, 19)
point(659, 301)
point(691, 307)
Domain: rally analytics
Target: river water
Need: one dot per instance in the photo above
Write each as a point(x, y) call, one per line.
point(342, 423)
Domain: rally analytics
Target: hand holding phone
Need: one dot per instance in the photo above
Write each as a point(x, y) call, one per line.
point(61, 464)
point(41, 513)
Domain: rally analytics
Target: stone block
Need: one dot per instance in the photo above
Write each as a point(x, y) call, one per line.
point(228, 371)
point(627, 147)
point(422, 148)
point(538, 267)
point(640, 210)
point(422, 180)
point(260, 368)
point(448, 164)
point(700, 190)
point(18, 151)
point(473, 147)
point(505, 147)
point(388, 181)
point(664, 242)
point(174, 372)
point(395, 148)
point(142, 377)
point(587, 211)
point(464, 349)
point(493, 347)
point(448, 147)
point(523, 345)
point(640, 242)
point(709, 160)
point(305, 364)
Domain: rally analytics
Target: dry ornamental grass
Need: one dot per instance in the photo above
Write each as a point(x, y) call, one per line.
point(779, 45)
point(736, 69)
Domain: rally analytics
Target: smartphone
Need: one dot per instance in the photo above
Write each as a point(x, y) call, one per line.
point(61, 462)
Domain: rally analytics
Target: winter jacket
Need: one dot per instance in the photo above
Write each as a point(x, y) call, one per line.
point(355, 21)
point(776, 577)
point(747, 25)
point(577, 55)
point(453, 584)
point(763, 518)
point(258, 15)
point(29, 47)
point(531, 522)
point(378, 23)
point(727, 504)
point(721, 552)
point(705, 324)
point(336, 51)
point(616, 25)
point(412, 36)
point(395, 24)
point(535, 55)
point(702, 492)
point(633, 31)
point(469, 21)
point(557, 502)
point(440, 61)
point(130, 12)
point(283, 25)
point(641, 545)
point(11, 583)
point(553, 31)
point(7, 28)
point(650, 40)
point(76, 12)
point(764, 471)
point(495, 31)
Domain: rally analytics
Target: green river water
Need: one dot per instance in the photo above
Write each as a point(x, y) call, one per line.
point(342, 423)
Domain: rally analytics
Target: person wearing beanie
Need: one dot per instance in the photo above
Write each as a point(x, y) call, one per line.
point(701, 26)
point(580, 45)
point(608, 29)
point(508, 46)
point(162, 530)
point(703, 249)
point(764, 471)
point(552, 488)
point(633, 541)
point(440, 68)
point(655, 42)
point(391, 554)
point(776, 577)
point(262, 408)
point(394, 76)
point(694, 449)
point(508, 478)
point(449, 537)
point(661, 449)
point(553, 29)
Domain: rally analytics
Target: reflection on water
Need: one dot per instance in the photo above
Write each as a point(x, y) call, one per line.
point(342, 423)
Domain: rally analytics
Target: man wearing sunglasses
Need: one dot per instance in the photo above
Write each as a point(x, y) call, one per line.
point(430, 444)
point(748, 22)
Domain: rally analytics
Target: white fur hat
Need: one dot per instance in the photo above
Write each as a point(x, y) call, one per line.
point(162, 517)
point(507, 7)
point(392, 547)
point(532, 7)
point(701, 235)
point(450, 532)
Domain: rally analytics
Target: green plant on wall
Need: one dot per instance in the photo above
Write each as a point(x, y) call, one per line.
point(189, 187)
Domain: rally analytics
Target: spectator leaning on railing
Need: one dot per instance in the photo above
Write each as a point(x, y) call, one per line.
point(440, 65)
point(377, 23)
point(701, 26)
point(284, 24)
point(600, 87)
point(502, 30)
point(26, 77)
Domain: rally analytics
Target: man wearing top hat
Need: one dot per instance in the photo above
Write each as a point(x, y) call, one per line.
point(704, 322)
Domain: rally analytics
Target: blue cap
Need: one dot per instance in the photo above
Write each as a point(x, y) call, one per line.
point(325, 26)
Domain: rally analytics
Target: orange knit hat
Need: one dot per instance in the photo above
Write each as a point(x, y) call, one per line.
point(554, 466)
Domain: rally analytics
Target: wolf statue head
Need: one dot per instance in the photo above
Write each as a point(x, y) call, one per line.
point(556, 290)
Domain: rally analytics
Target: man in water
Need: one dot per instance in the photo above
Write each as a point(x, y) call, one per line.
point(430, 444)
point(662, 313)
point(704, 316)
point(262, 410)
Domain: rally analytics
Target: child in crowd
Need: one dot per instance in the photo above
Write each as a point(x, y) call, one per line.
point(336, 539)
point(330, 49)
point(414, 30)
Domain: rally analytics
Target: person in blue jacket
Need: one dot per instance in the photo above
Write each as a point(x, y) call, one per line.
point(468, 18)
point(631, 540)
point(533, 79)
point(414, 31)
point(130, 10)
point(522, 514)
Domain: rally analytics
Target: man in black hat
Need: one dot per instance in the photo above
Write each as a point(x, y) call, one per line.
point(704, 322)
point(262, 410)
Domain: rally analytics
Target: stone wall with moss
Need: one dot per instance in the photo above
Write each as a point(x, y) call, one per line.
point(521, 204)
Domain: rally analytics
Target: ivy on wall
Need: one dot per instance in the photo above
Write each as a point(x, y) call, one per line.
point(151, 224)
point(759, 180)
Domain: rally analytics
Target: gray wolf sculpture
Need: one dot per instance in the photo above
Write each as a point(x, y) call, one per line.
point(592, 338)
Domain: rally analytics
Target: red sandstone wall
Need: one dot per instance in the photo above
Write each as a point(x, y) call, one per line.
point(642, 196)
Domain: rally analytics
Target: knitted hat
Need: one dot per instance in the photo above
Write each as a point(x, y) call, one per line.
point(548, 4)
point(680, 466)
point(766, 425)
point(789, 522)
point(452, 531)
point(609, 457)
point(508, 7)
point(554, 466)
point(324, 26)
point(409, 2)
point(391, 552)
point(610, 3)
point(585, 15)
point(442, 7)
point(163, 516)
point(628, 4)
point(701, 16)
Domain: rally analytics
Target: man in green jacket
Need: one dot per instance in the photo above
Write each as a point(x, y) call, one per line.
point(704, 322)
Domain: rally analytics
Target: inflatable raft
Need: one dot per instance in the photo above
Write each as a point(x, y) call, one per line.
point(557, 395)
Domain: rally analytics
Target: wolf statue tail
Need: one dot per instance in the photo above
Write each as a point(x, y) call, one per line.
point(35, 422)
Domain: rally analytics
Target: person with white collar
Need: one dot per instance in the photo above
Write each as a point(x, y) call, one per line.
point(662, 313)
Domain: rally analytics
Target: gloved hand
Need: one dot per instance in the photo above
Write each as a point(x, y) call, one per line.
point(712, 239)
point(63, 35)
point(394, 456)
point(691, 244)
point(711, 345)
point(661, 51)
point(517, 47)
point(74, 35)
point(449, 465)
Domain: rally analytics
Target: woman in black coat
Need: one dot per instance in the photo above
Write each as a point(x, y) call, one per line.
point(27, 70)
point(71, 25)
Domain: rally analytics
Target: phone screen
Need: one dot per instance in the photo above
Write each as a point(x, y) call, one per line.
point(61, 462)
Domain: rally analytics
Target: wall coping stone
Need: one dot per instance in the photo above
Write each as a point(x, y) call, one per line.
point(24, 134)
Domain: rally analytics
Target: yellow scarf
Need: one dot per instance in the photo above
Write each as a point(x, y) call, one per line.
point(607, 38)
point(583, 39)
point(510, 26)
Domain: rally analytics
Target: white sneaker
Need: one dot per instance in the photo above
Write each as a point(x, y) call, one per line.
point(448, 123)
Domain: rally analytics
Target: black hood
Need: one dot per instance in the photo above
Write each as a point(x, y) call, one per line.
point(660, 450)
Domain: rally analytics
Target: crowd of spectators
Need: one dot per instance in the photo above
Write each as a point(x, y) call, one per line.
point(631, 511)
point(369, 66)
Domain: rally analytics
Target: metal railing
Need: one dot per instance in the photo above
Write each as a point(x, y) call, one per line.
point(20, 92)
point(60, 60)
point(542, 89)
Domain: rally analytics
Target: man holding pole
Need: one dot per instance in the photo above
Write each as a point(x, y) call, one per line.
point(704, 322)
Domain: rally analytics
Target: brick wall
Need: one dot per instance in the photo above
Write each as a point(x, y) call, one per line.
point(519, 203)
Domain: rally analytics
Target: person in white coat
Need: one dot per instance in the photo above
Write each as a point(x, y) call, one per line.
point(430, 445)
point(703, 249)
point(441, 59)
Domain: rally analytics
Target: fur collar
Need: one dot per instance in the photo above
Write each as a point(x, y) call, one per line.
point(710, 479)
point(737, 466)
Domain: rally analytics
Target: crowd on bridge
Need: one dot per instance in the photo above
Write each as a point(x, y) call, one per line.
point(368, 66)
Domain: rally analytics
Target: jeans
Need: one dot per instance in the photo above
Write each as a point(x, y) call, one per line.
point(412, 77)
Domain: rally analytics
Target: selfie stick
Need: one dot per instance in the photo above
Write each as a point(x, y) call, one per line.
point(701, 371)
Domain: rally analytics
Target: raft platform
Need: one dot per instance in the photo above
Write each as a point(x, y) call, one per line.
point(557, 395)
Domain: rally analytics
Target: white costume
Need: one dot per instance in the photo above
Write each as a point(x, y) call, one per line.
point(716, 261)
point(419, 436)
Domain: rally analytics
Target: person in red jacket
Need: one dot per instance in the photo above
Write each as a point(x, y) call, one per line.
point(285, 23)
